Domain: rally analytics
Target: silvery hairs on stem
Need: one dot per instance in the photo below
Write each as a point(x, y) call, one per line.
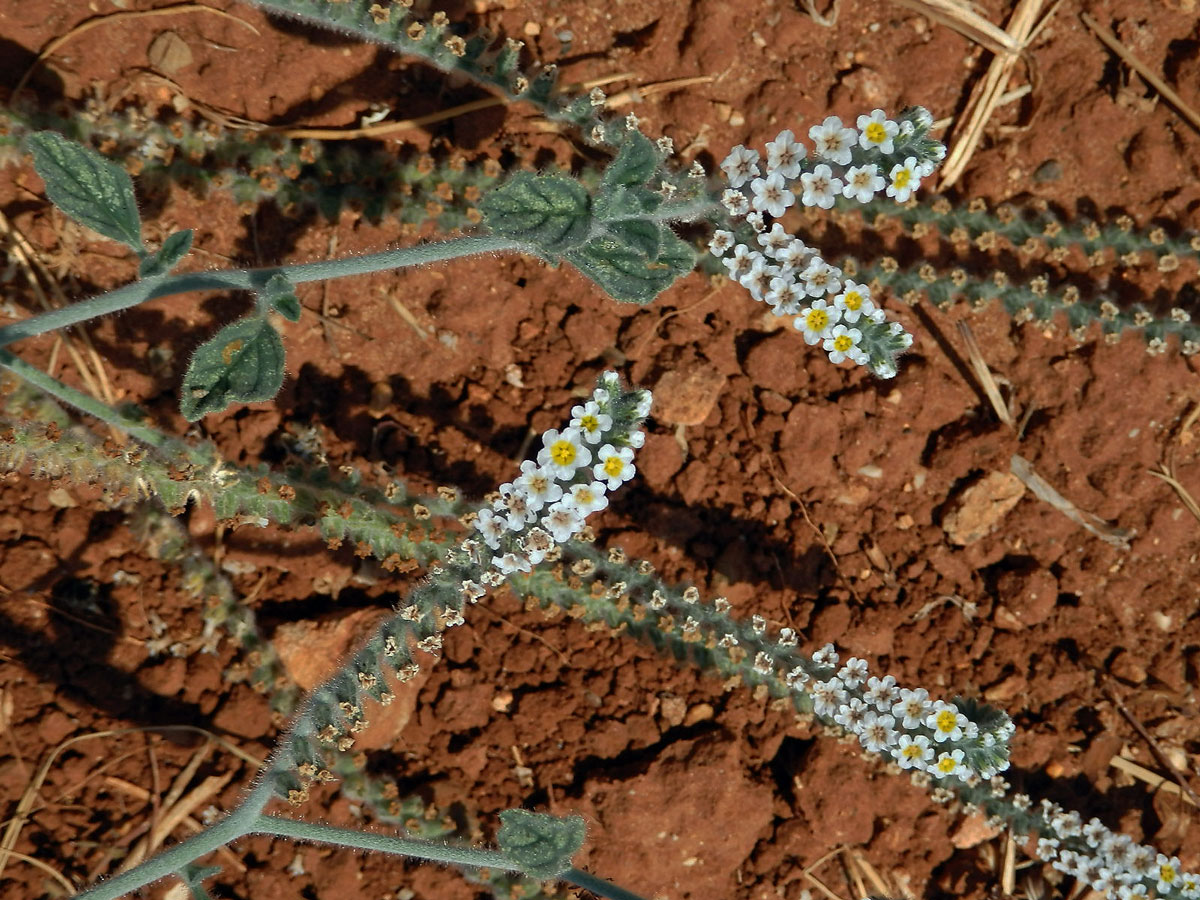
point(522, 525)
point(787, 274)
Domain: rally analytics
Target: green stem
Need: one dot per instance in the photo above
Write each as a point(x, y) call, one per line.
point(238, 823)
point(598, 886)
point(80, 400)
point(382, 843)
point(254, 280)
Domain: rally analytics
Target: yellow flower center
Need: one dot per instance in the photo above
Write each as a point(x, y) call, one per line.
point(947, 721)
point(1166, 873)
point(946, 765)
point(902, 178)
point(842, 343)
point(614, 466)
point(817, 320)
point(853, 300)
point(585, 496)
point(876, 133)
point(562, 453)
point(589, 423)
point(912, 751)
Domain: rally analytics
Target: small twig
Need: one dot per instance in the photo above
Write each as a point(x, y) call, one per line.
point(813, 525)
point(1164, 473)
point(1173, 99)
point(1162, 758)
point(986, 380)
point(1110, 534)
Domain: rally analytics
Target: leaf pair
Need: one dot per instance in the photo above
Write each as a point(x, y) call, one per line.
point(614, 238)
point(244, 361)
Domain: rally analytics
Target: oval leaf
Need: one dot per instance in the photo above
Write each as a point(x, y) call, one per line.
point(174, 248)
point(628, 273)
point(279, 295)
point(242, 363)
point(541, 844)
point(87, 187)
point(552, 212)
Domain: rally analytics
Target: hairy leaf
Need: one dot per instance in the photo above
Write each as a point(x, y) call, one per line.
point(87, 187)
point(541, 844)
point(243, 363)
point(620, 265)
point(551, 211)
point(174, 248)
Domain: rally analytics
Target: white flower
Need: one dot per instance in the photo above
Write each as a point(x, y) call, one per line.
point(863, 183)
point(948, 763)
point(563, 452)
point(735, 202)
point(826, 656)
point(820, 187)
point(637, 439)
point(820, 278)
point(562, 521)
point(536, 544)
point(842, 343)
point(771, 195)
point(587, 497)
point(740, 263)
point(758, 280)
point(854, 301)
point(792, 256)
point(784, 155)
point(590, 421)
point(816, 322)
point(740, 165)
point(512, 562)
point(913, 708)
point(615, 466)
point(877, 732)
point(1167, 874)
point(833, 142)
point(785, 296)
point(538, 485)
point(514, 501)
point(828, 697)
point(947, 723)
point(721, 241)
point(913, 752)
point(876, 130)
point(851, 715)
point(904, 180)
point(774, 240)
point(881, 693)
point(755, 220)
point(645, 399)
point(491, 526)
point(796, 678)
point(854, 672)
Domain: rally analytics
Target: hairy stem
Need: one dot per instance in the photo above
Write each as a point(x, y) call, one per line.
point(598, 886)
point(299, 830)
point(254, 280)
point(238, 823)
point(85, 402)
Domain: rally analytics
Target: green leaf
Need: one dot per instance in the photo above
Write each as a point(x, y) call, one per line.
point(622, 201)
point(541, 844)
point(87, 187)
point(552, 212)
point(280, 295)
point(627, 273)
point(174, 248)
point(243, 363)
point(634, 163)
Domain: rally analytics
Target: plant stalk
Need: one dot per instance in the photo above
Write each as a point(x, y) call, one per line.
point(254, 279)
